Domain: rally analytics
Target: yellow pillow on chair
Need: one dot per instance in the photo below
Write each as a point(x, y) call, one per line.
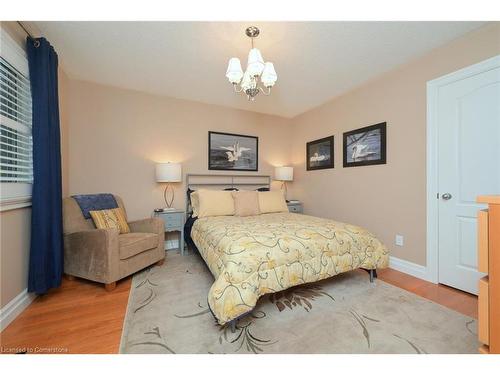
point(114, 218)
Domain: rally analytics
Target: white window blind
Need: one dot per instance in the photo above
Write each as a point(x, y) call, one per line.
point(16, 146)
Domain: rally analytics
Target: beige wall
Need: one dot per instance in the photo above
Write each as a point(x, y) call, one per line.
point(15, 225)
point(14, 253)
point(117, 136)
point(387, 199)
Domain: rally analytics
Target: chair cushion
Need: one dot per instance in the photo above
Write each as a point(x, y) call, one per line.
point(135, 243)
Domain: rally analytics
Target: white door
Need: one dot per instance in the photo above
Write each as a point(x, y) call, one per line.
point(468, 118)
point(468, 165)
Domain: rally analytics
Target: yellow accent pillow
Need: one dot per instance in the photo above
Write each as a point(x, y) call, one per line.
point(246, 203)
point(114, 218)
point(215, 203)
point(272, 201)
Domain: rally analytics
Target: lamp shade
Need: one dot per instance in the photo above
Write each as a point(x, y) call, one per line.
point(234, 71)
point(168, 172)
point(269, 76)
point(246, 83)
point(255, 64)
point(283, 173)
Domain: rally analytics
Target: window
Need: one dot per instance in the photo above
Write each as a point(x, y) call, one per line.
point(16, 146)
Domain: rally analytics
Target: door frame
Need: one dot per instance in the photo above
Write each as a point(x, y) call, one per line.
point(433, 87)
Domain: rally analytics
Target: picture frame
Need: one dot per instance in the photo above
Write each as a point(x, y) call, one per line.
point(233, 152)
point(320, 154)
point(365, 146)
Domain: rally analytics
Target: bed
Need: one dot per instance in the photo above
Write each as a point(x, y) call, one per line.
point(255, 255)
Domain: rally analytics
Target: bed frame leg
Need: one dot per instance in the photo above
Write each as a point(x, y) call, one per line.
point(373, 273)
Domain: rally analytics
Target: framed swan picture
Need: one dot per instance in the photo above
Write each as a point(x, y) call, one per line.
point(319, 154)
point(232, 152)
point(365, 146)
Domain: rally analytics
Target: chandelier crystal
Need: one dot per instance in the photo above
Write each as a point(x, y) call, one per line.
point(259, 76)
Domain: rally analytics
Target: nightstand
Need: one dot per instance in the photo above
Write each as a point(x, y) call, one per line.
point(174, 222)
point(295, 207)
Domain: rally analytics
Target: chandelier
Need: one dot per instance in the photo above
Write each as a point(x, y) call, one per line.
point(258, 77)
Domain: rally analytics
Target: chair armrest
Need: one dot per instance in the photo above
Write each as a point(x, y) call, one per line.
point(152, 225)
point(92, 254)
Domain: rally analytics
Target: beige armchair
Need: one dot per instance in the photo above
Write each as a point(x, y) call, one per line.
point(104, 255)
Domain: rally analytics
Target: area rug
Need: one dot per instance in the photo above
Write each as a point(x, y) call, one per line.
point(167, 313)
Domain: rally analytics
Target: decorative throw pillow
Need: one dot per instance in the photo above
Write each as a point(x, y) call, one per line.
point(114, 218)
point(195, 203)
point(272, 201)
point(215, 203)
point(246, 203)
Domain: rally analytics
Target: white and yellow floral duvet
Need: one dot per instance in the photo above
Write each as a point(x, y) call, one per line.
point(255, 255)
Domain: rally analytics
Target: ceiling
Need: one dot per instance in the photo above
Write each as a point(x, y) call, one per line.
point(315, 61)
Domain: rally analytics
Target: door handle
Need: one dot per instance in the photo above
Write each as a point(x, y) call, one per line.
point(446, 196)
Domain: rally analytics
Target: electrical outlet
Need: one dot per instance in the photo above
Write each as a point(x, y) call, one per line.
point(399, 240)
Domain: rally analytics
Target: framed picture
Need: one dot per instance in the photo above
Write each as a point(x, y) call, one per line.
point(365, 146)
point(319, 154)
point(232, 152)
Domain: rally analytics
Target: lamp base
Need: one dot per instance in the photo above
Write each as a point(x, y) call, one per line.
point(284, 189)
point(169, 209)
point(168, 201)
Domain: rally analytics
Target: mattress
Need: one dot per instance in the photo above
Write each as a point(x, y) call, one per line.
point(255, 255)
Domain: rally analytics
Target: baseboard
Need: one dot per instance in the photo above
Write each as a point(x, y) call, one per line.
point(15, 307)
point(409, 268)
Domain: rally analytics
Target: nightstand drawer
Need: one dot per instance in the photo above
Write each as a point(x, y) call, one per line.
point(173, 220)
point(483, 312)
point(173, 224)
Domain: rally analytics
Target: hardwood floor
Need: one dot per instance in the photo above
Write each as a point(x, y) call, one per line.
point(81, 317)
point(454, 299)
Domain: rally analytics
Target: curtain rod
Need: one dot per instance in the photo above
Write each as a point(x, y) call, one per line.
point(37, 42)
point(26, 31)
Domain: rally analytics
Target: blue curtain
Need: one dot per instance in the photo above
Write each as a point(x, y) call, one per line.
point(46, 250)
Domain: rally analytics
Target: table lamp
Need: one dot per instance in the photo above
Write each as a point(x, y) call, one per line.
point(168, 172)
